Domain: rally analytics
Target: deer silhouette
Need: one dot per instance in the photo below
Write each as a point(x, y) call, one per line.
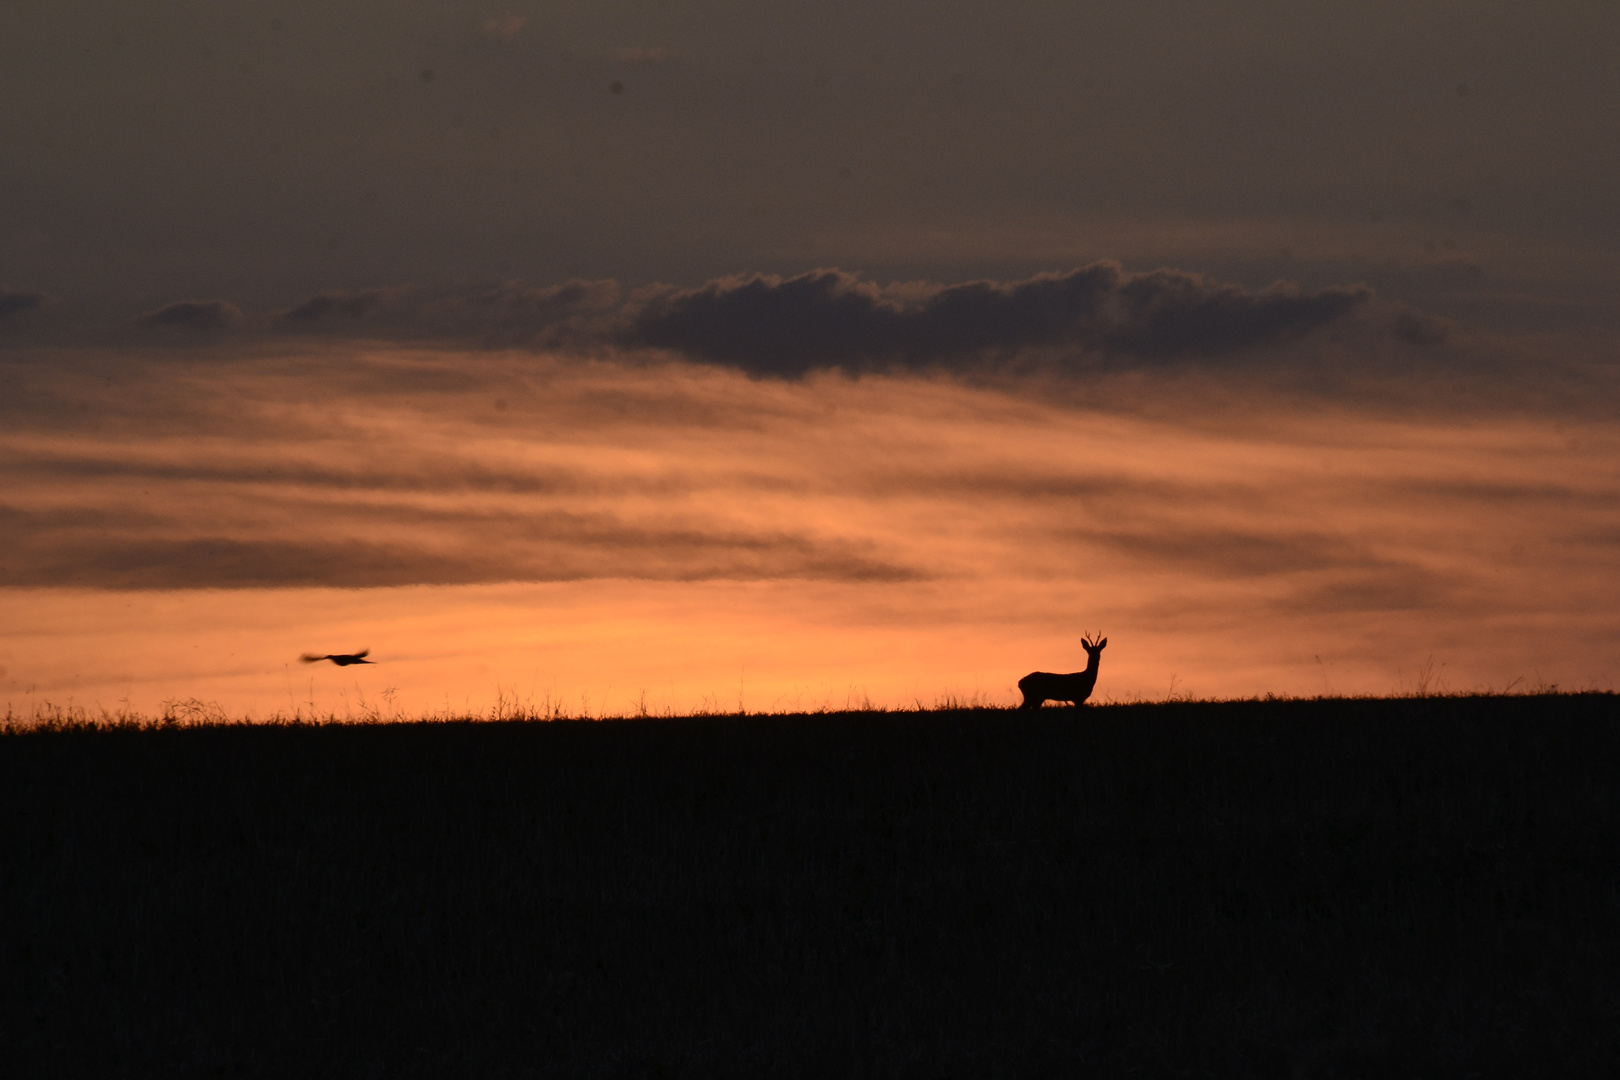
point(340, 659)
point(1039, 687)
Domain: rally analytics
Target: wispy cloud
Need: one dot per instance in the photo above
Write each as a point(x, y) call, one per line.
point(577, 314)
point(1053, 333)
point(1078, 322)
point(15, 303)
point(194, 315)
point(371, 546)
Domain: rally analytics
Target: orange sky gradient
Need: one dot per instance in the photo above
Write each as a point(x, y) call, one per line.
point(598, 537)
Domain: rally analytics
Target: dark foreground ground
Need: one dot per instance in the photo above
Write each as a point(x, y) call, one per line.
point(1336, 888)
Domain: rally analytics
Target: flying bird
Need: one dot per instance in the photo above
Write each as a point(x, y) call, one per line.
point(340, 659)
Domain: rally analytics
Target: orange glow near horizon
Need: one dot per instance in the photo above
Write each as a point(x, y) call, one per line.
point(602, 538)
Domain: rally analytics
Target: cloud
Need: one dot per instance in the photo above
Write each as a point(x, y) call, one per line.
point(769, 325)
point(335, 305)
point(1395, 588)
point(1234, 553)
point(1170, 312)
point(1420, 329)
point(576, 314)
point(194, 315)
point(82, 551)
point(1056, 333)
point(228, 563)
point(1072, 326)
point(401, 472)
point(788, 327)
point(15, 303)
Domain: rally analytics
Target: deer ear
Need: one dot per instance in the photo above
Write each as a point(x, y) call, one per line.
point(1102, 643)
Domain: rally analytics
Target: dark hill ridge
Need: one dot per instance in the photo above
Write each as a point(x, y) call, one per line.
point(1412, 887)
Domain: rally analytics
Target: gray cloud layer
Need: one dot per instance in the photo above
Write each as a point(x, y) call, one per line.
point(775, 326)
point(788, 327)
point(153, 151)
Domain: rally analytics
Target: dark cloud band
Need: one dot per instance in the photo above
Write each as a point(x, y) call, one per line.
point(787, 327)
point(777, 326)
point(106, 549)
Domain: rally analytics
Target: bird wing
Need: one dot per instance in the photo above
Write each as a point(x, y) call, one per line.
point(309, 659)
point(362, 654)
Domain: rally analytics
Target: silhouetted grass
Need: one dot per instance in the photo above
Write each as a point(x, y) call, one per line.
point(1293, 888)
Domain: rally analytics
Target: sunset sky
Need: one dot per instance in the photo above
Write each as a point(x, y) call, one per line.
point(669, 356)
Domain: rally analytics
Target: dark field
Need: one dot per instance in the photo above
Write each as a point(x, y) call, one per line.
point(1426, 887)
